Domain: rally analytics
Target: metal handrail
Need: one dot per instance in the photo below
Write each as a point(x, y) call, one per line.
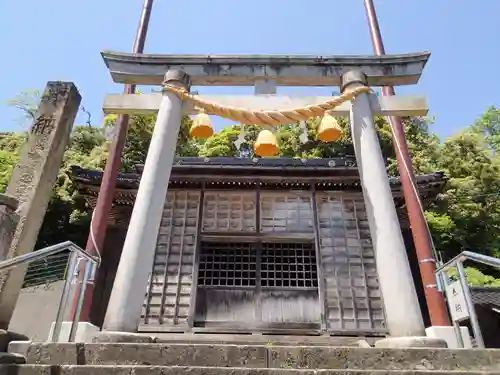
point(77, 255)
point(442, 277)
point(469, 255)
point(50, 269)
point(44, 253)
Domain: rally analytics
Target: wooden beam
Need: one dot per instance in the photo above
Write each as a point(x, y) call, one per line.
point(147, 104)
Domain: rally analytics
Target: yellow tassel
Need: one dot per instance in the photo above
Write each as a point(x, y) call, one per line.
point(266, 144)
point(202, 126)
point(329, 129)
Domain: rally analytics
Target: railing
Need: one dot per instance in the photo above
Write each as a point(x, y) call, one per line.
point(74, 264)
point(47, 270)
point(443, 280)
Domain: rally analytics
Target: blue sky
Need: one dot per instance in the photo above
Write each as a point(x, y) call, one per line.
point(61, 40)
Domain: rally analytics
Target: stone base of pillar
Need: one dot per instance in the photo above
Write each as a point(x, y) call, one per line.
point(411, 342)
point(449, 335)
point(19, 347)
point(84, 331)
point(121, 337)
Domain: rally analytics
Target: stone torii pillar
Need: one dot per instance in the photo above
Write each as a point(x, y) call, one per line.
point(402, 309)
point(127, 297)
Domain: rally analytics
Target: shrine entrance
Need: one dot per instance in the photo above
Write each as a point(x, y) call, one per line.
point(258, 285)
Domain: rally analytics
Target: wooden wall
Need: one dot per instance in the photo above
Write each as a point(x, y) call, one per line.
point(169, 290)
point(345, 299)
point(353, 300)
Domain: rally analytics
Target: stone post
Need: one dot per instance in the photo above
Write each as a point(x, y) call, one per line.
point(127, 297)
point(33, 179)
point(8, 223)
point(401, 304)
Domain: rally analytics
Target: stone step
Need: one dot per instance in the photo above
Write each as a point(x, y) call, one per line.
point(165, 370)
point(278, 340)
point(259, 356)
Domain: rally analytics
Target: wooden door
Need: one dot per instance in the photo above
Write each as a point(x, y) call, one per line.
point(257, 286)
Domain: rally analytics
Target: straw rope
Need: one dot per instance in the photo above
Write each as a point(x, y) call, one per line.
point(276, 117)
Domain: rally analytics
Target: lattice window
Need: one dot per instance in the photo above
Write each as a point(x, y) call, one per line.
point(288, 265)
point(282, 265)
point(227, 264)
point(286, 212)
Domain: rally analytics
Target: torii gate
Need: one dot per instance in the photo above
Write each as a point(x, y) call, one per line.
point(354, 74)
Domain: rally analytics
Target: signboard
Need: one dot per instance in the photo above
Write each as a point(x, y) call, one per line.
point(456, 301)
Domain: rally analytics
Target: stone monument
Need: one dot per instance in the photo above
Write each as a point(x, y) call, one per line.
point(33, 179)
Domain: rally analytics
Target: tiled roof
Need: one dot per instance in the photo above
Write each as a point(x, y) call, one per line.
point(283, 170)
point(244, 173)
point(486, 296)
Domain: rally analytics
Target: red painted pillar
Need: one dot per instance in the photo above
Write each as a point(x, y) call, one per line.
point(99, 224)
point(421, 235)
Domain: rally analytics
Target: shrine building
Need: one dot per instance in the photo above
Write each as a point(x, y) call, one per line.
point(264, 245)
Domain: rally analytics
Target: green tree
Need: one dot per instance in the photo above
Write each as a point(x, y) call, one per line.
point(476, 277)
point(10, 144)
point(469, 207)
point(139, 136)
point(488, 125)
point(26, 102)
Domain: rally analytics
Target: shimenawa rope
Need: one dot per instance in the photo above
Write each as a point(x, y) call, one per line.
point(275, 117)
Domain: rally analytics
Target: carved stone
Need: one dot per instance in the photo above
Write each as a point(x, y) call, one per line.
point(33, 179)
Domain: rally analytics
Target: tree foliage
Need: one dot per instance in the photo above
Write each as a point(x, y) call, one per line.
point(465, 215)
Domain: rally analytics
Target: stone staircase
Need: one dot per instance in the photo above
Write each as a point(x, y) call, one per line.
point(236, 359)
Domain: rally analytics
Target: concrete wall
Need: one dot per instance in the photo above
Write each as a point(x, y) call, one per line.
point(36, 309)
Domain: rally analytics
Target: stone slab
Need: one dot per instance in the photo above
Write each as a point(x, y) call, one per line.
point(276, 340)
point(245, 70)
point(163, 370)
point(85, 331)
point(411, 342)
point(379, 359)
point(265, 356)
point(149, 354)
point(121, 337)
